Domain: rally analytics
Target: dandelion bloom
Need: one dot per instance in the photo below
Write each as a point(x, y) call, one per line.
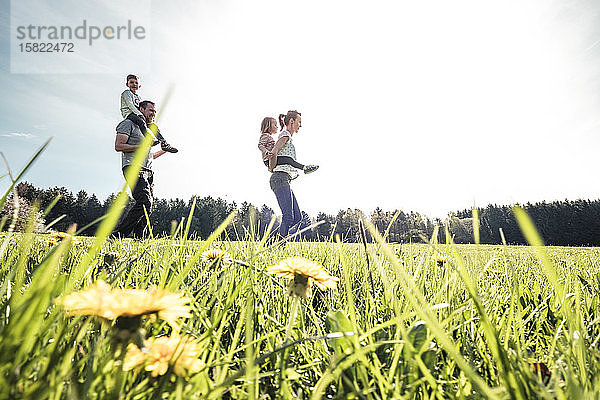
point(180, 352)
point(56, 237)
point(103, 301)
point(304, 272)
point(61, 235)
point(216, 254)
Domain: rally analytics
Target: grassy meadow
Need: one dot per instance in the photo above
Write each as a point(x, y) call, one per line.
point(404, 321)
point(175, 318)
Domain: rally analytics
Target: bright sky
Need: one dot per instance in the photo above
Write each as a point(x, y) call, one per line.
point(429, 106)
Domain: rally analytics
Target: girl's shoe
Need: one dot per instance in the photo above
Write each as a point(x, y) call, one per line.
point(309, 169)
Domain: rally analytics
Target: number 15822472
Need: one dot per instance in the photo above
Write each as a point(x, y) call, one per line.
point(47, 47)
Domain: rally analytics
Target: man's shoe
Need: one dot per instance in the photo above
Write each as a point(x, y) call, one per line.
point(309, 169)
point(168, 148)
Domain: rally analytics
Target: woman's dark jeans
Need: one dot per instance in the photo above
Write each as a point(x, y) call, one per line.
point(290, 212)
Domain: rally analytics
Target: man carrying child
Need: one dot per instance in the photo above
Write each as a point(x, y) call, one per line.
point(130, 102)
point(128, 139)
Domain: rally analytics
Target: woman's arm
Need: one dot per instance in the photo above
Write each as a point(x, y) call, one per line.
point(279, 144)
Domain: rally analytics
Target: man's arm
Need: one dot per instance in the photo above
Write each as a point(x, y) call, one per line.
point(121, 144)
point(157, 154)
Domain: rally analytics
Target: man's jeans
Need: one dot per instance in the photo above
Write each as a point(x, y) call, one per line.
point(134, 224)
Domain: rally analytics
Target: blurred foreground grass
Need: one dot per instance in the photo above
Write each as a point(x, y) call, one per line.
point(403, 322)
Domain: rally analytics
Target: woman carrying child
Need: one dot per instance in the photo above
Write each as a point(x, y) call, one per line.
point(284, 171)
point(266, 144)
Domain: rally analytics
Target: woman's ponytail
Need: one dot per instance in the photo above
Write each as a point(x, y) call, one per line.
point(282, 121)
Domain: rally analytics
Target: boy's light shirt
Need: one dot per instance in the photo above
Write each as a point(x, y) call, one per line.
point(128, 105)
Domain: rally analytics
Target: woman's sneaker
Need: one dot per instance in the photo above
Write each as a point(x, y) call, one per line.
point(309, 169)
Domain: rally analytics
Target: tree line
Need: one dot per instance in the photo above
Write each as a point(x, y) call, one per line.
point(566, 223)
point(560, 223)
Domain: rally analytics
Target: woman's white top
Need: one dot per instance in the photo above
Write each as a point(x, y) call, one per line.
point(289, 150)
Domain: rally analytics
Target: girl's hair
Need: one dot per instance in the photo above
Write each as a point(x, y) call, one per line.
point(267, 123)
point(129, 77)
point(285, 119)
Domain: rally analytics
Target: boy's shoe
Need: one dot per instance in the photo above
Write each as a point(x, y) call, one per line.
point(309, 169)
point(168, 148)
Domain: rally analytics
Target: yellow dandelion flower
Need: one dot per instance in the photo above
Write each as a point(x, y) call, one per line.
point(304, 272)
point(133, 358)
point(440, 260)
point(103, 301)
point(159, 353)
point(56, 237)
point(61, 235)
point(216, 254)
